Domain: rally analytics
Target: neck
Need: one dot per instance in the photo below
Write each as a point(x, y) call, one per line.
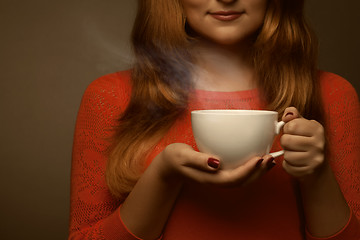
point(223, 68)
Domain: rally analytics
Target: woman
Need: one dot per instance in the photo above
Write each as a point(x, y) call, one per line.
point(215, 54)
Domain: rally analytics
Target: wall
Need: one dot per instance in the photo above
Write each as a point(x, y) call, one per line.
point(337, 27)
point(50, 51)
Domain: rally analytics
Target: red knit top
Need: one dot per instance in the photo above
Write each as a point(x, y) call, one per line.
point(267, 209)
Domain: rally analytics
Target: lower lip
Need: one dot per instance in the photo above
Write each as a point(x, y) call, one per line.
point(222, 17)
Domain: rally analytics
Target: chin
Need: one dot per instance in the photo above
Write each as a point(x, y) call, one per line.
point(230, 41)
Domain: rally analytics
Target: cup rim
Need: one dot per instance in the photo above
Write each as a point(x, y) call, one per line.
point(233, 112)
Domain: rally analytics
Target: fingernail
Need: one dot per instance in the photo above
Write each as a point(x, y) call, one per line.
point(271, 164)
point(270, 161)
point(258, 164)
point(214, 163)
point(289, 114)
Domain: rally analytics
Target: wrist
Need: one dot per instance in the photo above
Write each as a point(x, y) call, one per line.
point(319, 174)
point(325, 208)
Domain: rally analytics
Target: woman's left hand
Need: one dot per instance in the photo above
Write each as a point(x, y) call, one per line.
point(304, 144)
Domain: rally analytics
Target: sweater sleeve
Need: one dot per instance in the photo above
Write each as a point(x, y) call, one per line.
point(94, 213)
point(343, 125)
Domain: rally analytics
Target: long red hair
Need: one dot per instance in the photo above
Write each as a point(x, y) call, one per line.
point(285, 59)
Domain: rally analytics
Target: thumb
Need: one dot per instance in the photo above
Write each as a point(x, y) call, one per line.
point(290, 113)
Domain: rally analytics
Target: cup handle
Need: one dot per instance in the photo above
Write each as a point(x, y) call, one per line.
point(277, 154)
point(279, 126)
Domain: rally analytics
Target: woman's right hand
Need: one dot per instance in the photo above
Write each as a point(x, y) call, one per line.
point(181, 161)
point(158, 188)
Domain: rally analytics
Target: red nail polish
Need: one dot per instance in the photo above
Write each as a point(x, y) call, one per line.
point(271, 160)
point(271, 165)
point(258, 164)
point(214, 163)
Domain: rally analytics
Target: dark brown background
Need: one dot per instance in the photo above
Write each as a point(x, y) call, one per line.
point(50, 51)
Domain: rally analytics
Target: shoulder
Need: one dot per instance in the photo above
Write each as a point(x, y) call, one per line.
point(112, 89)
point(340, 101)
point(113, 82)
point(335, 87)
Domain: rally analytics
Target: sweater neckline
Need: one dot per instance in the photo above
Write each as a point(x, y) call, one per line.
point(218, 95)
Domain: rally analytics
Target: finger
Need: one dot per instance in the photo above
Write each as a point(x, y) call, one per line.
point(247, 169)
point(228, 177)
point(302, 127)
point(297, 159)
point(256, 168)
point(267, 164)
point(296, 142)
point(290, 113)
point(186, 156)
point(269, 161)
point(301, 159)
point(297, 172)
point(202, 161)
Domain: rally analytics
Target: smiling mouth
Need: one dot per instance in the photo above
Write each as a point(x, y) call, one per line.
point(226, 15)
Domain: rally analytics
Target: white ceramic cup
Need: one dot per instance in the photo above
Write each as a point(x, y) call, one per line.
point(235, 135)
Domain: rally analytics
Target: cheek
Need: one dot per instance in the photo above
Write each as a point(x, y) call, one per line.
point(186, 3)
point(259, 9)
point(194, 7)
point(257, 16)
point(196, 17)
point(256, 7)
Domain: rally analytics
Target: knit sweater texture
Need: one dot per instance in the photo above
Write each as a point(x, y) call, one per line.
point(268, 209)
